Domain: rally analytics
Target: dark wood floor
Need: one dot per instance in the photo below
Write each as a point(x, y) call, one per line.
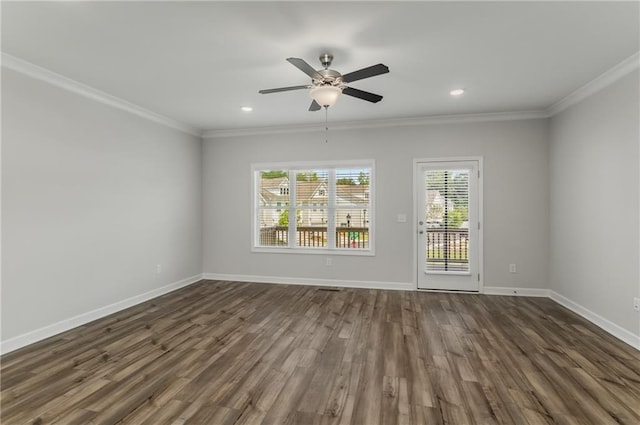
point(239, 353)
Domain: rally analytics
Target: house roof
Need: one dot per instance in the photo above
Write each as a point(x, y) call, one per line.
point(311, 192)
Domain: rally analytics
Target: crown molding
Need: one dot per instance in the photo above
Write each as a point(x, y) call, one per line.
point(34, 71)
point(394, 122)
point(607, 78)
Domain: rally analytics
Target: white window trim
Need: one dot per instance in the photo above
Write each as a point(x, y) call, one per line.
point(306, 165)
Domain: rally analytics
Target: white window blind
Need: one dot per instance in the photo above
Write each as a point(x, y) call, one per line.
point(447, 220)
point(314, 208)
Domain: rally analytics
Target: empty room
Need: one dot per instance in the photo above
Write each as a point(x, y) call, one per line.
point(349, 213)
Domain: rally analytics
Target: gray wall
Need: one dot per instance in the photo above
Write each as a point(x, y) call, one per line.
point(594, 203)
point(516, 199)
point(92, 199)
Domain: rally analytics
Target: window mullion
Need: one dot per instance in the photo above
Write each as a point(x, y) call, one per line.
point(331, 209)
point(257, 211)
point(292, 209)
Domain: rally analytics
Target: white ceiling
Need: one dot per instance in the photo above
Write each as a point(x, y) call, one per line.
point(199, 62)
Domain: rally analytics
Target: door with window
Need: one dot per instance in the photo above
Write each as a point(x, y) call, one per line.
point(448, 224)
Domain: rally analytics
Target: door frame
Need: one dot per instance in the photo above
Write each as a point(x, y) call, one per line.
point(417, 162)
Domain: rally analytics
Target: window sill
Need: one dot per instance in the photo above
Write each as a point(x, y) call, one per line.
point(448, 273)
point(316, 251)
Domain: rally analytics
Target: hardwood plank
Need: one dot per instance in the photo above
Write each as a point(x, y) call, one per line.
point(225, 353)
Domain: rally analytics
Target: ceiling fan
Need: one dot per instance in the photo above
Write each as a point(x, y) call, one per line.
point(327, 84)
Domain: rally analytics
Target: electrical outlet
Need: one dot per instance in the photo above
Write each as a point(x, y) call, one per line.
point(328, 261)
point(636, 304)
point(158, 268)
point(512, 268)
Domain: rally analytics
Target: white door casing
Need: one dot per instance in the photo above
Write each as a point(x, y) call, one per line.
point(448, 224)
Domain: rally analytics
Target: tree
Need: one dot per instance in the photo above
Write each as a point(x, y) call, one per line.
point(363, 178)
point(283, 220)
point(458, 189)
point(274, 174)
point(457, 216)
point(435, 180)
point(345, 181)
point(453, 185)
point(308, 177)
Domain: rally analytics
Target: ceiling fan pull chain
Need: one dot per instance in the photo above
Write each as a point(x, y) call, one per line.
point(326, 124)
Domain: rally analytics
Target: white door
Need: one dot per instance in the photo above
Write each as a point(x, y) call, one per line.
point(448, 225)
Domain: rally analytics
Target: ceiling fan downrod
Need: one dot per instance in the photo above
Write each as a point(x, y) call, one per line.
point(325, 60)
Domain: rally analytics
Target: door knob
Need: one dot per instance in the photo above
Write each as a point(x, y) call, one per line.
point(421, 232)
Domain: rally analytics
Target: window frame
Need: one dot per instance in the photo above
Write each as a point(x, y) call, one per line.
point(331, 206)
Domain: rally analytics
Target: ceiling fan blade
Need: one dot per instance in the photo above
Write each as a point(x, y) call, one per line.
point(315, 106)
point(305, 67)
point(360, 74)
point(364, 95)
point(283, 89)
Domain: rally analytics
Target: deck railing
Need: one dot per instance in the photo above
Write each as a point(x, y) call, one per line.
point(315, 236)
point(447, 249)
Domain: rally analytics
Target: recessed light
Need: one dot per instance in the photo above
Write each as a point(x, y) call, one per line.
point(457, 92)
point(247, 109)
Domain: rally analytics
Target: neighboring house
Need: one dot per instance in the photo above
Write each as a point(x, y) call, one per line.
point(435, 207)
point(354, 198)
point(273, 192)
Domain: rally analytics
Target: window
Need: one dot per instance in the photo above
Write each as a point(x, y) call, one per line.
point(325, 207)
point(447, 220)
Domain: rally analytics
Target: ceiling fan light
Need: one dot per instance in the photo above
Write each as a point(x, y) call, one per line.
point(325, 95)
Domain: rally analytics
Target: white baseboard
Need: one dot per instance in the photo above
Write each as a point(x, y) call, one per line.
point(365, 284)
point(515, 292)
point(64, 325)
point(20, 341)
point(610, 327)
point(615, 330)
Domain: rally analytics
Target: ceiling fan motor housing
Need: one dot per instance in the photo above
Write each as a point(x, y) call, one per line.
point(329, 77)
